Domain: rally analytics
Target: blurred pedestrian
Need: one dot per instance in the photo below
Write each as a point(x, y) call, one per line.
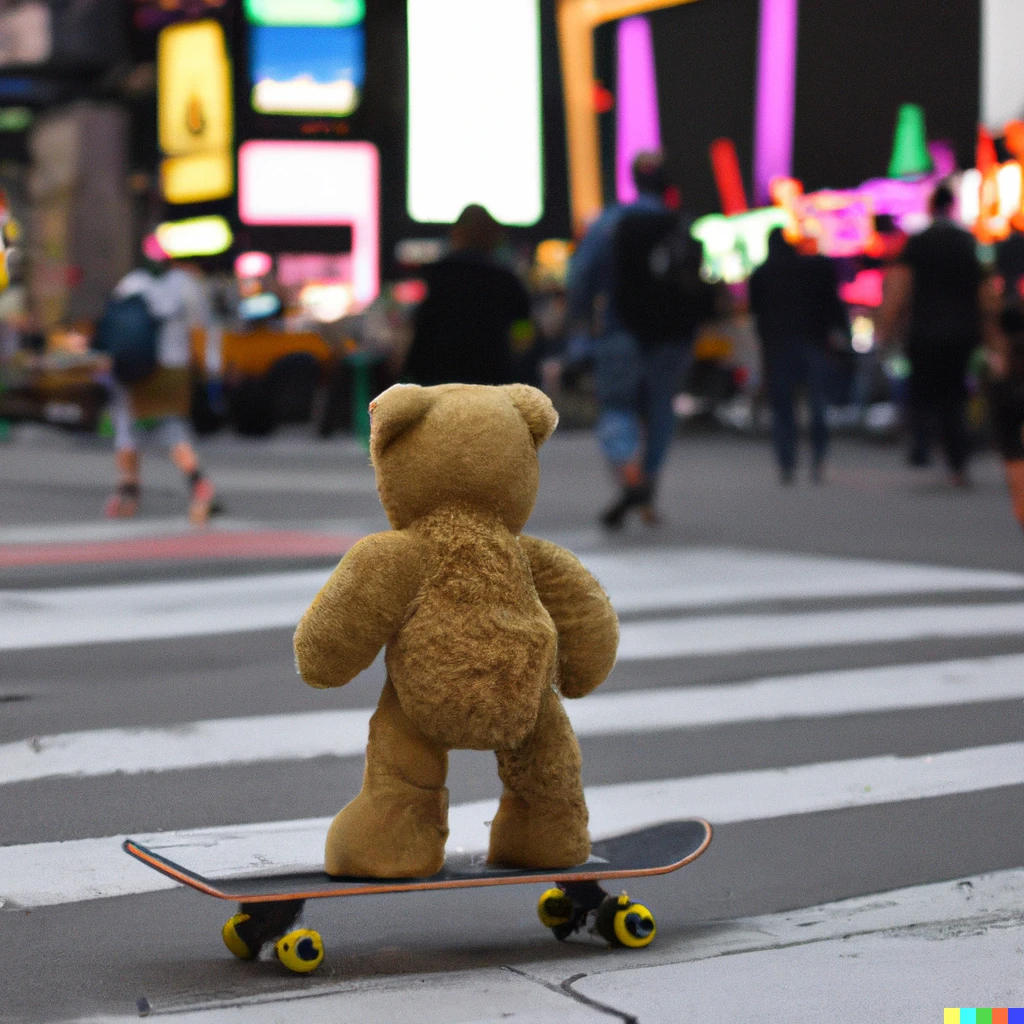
point(936, 288)
point(474, 325)
point(796, 306)
point(635, 288)
point(146, 329)
point(1005, 393)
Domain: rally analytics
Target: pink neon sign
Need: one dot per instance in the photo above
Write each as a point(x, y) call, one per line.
point(317, 183)
point(637, 127)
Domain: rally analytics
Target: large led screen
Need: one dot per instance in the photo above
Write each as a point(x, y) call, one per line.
point(306, 70)
point(317, 183)
point(474, 109)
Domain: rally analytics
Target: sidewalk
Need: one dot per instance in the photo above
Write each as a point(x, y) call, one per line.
point(893, 957)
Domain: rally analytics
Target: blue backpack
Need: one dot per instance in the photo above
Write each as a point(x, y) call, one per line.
point(128, 333)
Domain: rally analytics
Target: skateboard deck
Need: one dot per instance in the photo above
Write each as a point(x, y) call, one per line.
point(271, 904)
point(656, 850)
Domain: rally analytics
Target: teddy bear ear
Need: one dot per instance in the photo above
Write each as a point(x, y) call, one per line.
point(394, 411)
point(536, 409)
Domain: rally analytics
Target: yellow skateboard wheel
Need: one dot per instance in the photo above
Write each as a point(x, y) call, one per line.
point(554, 908)
point(300, 951)
point(233, 941)
point(634, 926)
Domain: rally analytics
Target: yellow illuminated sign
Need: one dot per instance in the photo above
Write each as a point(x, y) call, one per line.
point(198, 178)
point(194, 112)
point(197, 236)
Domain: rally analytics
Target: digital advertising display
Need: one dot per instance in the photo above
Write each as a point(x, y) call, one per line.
point(306, 70)
point(195, 112)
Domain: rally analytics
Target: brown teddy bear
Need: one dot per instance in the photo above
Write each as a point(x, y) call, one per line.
point(482, 626)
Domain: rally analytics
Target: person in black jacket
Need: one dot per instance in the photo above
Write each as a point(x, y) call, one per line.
point(474, 326)
point(796, 304)
point(937, 288)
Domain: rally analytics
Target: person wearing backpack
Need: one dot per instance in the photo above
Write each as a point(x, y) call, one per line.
point(635, 286)
point(145, 330)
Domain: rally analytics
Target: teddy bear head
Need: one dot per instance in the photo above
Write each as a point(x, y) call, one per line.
point(459, 444)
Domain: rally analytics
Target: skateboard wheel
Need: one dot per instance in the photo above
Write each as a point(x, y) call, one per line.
point(624, 923)
point(554, 908)
point(634, 926)
point(233, 941)
point(300, 951)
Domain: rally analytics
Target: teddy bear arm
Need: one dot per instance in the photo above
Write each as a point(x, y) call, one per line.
point(588, 630)
point(357, 610)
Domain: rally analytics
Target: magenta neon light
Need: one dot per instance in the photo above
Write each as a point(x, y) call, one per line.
point(637, 126)
point(776, 94)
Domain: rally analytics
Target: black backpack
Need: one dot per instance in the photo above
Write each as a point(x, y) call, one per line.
point(658, 286)
point(128, 333)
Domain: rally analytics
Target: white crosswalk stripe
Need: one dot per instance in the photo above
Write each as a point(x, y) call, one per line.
point(303, 736)
point(44, 874)
point(687, 580)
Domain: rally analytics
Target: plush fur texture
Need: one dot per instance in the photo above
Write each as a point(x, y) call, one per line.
point(483, 629)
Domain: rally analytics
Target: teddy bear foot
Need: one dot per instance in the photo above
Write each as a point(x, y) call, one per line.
point(546, 834)
point(389, 835)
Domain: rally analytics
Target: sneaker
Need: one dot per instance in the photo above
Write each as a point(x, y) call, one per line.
point(204, 502)
point(123, 503)
point(614, 517)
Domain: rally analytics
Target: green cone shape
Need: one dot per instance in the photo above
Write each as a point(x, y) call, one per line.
point(910, 157)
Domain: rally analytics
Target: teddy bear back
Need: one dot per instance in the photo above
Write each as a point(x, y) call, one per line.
point(459, 445)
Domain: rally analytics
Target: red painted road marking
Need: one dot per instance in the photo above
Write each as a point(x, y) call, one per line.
point(213, 545)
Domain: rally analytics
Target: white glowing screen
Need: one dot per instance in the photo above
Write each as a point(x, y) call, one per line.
point(317, 183)
point(474, 109)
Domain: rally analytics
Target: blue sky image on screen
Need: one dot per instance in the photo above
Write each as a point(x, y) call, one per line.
point(307, 70)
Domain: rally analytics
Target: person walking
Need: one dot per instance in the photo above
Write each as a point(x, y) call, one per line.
point(474, 325)
point(796, 306)
point(936, 287)
point(152, 375)
point(634, 286)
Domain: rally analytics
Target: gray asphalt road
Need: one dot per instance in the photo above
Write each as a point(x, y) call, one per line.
point(70, 957)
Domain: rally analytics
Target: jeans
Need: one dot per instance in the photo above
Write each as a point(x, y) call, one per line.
point(789, 366)
point(635, 387)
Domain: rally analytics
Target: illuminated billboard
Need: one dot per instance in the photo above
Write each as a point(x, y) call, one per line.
point(306, 70)
point(317, 184)
point(474, 110)
point(197, 236)
point(194, 112)
point(333, 13)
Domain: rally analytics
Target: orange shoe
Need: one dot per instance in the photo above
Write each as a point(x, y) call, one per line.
point(123, 503)
point(203, 503)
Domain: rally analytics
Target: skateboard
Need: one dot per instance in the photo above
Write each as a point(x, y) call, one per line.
point(270, 905)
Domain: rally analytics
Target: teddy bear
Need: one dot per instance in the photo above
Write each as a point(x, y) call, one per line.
point(485, 629)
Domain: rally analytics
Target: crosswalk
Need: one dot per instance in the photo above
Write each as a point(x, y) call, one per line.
point(684, 611)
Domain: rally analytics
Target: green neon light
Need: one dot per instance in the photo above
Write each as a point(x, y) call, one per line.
point(910, 156)
point(330, 13)
point(735, 246)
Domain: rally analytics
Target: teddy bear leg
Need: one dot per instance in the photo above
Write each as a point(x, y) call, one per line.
point(542, 818)
point(397, 826)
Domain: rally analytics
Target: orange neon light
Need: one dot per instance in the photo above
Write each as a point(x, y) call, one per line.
point(577, 20)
